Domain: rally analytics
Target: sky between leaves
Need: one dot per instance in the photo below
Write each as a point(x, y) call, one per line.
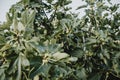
point(6, 4)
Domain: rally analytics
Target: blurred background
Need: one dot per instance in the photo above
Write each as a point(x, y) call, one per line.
point(6, 4)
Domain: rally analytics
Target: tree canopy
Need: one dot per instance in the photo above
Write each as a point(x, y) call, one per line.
point(43, 40)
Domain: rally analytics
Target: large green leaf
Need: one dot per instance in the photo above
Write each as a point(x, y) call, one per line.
point(81, 74)
point(77, 53)
point(59, 55)
point(24, 62)
point(42, 70)
point(31, 17)
point(2, 74)
point(21, 27)
point(19, 67)
point(5, 47)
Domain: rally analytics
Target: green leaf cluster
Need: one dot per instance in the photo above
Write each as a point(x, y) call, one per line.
point(43, 40)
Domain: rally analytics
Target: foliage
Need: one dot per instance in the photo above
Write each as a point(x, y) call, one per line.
point(42, 40)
